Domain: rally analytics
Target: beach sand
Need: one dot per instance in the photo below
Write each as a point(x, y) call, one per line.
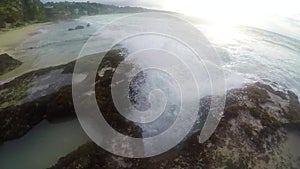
point(11, 39)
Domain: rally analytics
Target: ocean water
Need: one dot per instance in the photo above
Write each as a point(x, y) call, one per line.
point(269, 53)
point(247, 54)
point(253, 54)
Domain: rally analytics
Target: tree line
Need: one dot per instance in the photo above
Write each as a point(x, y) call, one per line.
point(14, 13)
point(17, 12)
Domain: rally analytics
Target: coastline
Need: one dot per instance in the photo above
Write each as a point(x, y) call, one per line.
point(11, 39)
point(256, 117)
point(43, 139)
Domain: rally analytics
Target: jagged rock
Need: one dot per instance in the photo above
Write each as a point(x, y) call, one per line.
point(28, 99)
point(250, 135)
point(8, 63)
point(42, 94)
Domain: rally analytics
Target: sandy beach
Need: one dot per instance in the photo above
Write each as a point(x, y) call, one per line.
point(11, 39)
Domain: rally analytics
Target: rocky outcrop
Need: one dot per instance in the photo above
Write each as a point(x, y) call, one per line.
point(42, 94)
point(79, 27)
point(251, 134)
point(8, 63)
point(32, 97)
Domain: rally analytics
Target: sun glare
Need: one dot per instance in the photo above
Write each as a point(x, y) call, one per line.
point(234, 11)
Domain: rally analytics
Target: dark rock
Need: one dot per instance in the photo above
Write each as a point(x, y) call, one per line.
point(254, 126)
point(7, 63)
point(70, 29)
point(21, 107)
point(88, 25)
point(294, 107)
point(41, 94)
point(79, 27)
point(248, 136)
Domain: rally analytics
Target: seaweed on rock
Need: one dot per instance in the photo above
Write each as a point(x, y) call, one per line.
point(248, 136)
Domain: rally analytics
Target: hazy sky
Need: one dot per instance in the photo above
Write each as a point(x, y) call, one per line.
point(227, 10)
point(215, 6)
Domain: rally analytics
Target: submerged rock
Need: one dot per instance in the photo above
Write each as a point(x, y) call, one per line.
point(76, 28)
point(8, 63)
point(79, 27)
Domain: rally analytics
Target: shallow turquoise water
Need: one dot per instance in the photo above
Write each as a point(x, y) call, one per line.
point(42, 146)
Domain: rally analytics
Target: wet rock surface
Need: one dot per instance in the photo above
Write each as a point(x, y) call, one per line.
point(32, 97)
point(79, 27)
point(8, 63)
point(251, 134)
point(42, 94)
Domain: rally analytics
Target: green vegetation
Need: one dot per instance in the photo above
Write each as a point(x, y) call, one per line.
point(14, 13)
point(65, 10)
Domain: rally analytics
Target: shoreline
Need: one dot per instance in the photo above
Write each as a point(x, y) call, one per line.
point(11, 39)
point(262, 122)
